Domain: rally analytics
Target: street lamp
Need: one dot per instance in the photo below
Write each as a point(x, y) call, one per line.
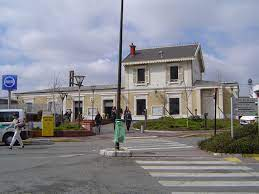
point(79, 81)
point(93, 89)
point(62, 95)
point(117, 145)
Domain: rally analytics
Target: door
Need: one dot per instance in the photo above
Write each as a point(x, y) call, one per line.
point(76, 108)
point(107, 104)
point(141, 106)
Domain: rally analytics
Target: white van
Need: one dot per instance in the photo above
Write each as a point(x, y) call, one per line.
point(6, 118)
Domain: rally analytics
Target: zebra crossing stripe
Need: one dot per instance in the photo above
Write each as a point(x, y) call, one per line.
point(184, 162)
point(196, 168)
point(210, 183)
point(199, 175)
point(160, 148)
point(155, 146)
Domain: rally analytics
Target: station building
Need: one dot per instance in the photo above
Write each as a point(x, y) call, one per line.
point(164, 81)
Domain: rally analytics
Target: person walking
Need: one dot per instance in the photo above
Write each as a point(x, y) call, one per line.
point(98, 121)
point(113, 116)
point(128, 119)
point(18, 125)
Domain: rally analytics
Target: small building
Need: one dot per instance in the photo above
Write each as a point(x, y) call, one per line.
point(164, 81)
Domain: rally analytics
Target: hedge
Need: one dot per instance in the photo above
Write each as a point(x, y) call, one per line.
point(246, 141)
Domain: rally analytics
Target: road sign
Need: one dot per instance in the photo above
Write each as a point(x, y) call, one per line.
point(245, 106)
point(9, 82)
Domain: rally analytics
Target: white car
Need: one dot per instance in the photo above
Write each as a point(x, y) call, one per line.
point(6, 118)
point(245, 120)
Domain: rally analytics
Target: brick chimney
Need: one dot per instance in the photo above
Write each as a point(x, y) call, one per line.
point(132, 50)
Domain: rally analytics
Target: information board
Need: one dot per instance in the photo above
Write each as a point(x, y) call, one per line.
point(245, 106)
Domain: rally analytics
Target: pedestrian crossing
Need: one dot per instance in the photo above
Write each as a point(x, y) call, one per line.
point(154, 144)
point(202, 176)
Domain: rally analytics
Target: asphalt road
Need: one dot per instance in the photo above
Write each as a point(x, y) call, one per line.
point(77, 167)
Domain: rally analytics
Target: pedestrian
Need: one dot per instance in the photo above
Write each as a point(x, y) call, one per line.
point(98, 121)
point(128, 119)
point(113, 116)
point(18, 124)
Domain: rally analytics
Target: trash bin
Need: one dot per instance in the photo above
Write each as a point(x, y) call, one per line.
point(120, 133)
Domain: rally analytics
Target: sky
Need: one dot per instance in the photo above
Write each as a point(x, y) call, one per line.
point(41, 41)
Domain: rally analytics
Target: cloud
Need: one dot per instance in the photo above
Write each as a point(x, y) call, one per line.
point(41, 38)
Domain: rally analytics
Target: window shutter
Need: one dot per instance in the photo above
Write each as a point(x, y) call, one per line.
point(180, 73)
point(134, 75)
point(167, 73)
point(147, 74)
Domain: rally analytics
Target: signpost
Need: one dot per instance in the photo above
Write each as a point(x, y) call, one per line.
point(9, 83)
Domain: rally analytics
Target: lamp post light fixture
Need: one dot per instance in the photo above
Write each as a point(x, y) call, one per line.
point(79, 82)
point(62, 95)
point(93, 89)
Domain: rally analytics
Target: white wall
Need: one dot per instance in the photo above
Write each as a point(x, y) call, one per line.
point(157, 76)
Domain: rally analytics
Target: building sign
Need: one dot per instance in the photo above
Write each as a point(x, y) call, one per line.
point(9, 82)
point(157, 111)
point(245, 106)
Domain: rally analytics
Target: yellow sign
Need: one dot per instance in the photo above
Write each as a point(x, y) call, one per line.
point(47, 126)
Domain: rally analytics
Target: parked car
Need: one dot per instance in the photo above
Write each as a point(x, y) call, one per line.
point(245, 120)
point(6, 118)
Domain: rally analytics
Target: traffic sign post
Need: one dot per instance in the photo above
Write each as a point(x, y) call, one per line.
point(9, 83)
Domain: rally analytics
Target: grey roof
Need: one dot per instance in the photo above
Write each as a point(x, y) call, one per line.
point(71, 89)
point(173, 52)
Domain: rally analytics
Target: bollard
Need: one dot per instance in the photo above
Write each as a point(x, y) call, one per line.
point(142, 129)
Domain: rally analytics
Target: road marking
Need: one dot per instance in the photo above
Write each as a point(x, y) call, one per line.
point(70, 155)
point(183, 162)
point(232, 159)
point(213, 192)
point(149, 137)
point(210, 183)
point(153, 146)
point(198, 175)
point(196, 168)
point(162, 148)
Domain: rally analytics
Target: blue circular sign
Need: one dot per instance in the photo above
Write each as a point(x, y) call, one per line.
point(9, 81)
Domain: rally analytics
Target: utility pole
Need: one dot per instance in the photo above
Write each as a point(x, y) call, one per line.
point(117, 145)
point(215, 119)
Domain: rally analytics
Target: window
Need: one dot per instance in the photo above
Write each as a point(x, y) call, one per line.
point(8, 116)
point(174, 106)
point(174, 73)
point(29, 107)
point(141, 75)
point(141, 106)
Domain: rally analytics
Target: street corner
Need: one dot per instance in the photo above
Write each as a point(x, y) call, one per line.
point(112, 152)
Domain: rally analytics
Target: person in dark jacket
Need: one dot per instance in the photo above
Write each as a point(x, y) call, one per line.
point(98, 121)
point(128, 119)
point(113, 116)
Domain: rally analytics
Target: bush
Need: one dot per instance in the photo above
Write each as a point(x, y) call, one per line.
point(246, 141)
point(68, 126)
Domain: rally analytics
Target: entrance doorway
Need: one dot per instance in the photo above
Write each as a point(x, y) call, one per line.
point(107, 104)
point(141, 106)
point(76, 109)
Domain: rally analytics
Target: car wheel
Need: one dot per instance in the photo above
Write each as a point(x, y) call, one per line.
point(8, 139)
